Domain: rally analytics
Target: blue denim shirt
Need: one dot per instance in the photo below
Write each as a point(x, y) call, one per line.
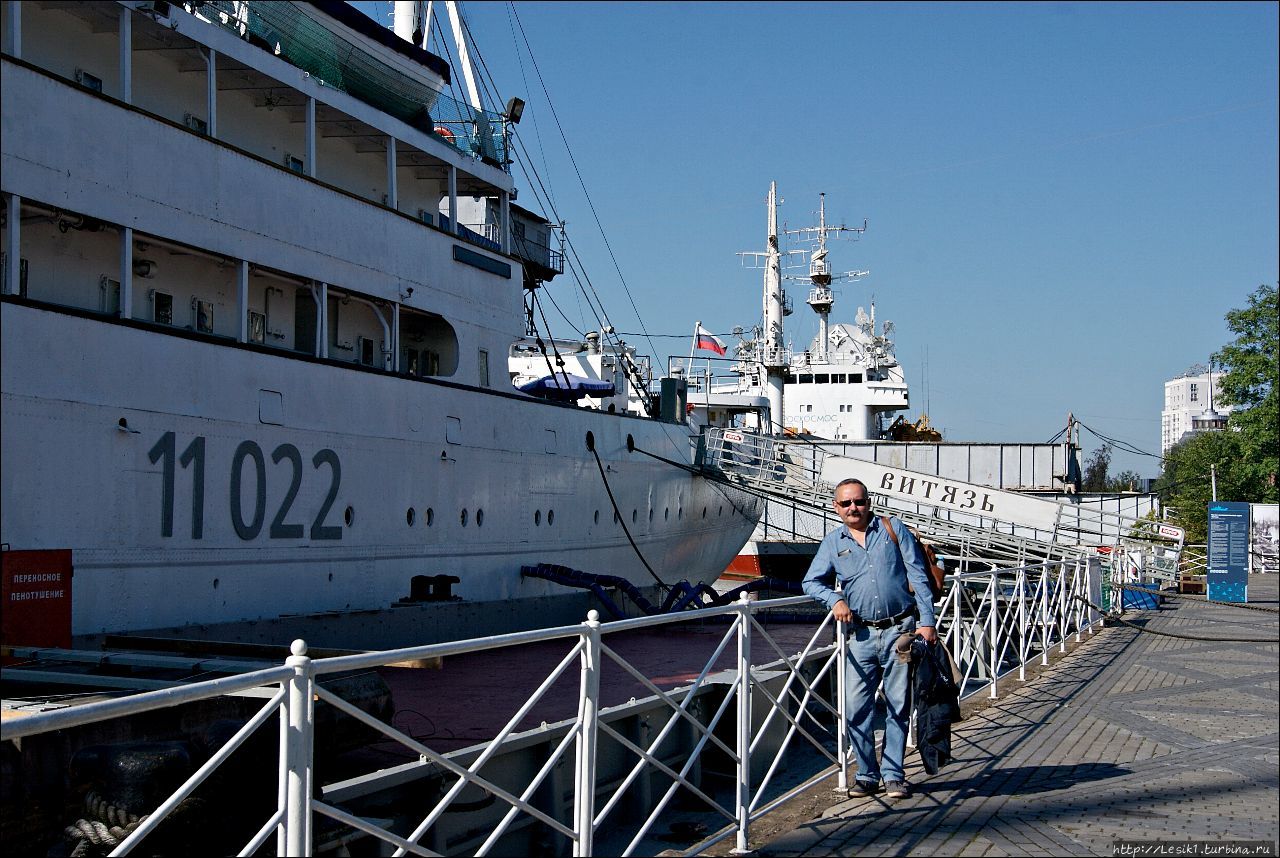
point(871, 580)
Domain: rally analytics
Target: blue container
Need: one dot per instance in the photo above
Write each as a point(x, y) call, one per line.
point(1141, 601)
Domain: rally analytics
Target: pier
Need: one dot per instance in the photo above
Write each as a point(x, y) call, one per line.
point(1131, 736)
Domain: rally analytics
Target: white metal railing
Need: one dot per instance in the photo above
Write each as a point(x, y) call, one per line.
point(772, 702)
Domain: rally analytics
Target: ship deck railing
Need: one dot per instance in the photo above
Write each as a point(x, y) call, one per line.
point(606, 780)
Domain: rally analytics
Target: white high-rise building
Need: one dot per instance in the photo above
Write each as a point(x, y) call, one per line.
point(1191, 405)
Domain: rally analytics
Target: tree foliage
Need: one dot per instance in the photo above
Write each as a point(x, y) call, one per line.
point(1246, 457)
point(1095, 470)
point(1252, 384)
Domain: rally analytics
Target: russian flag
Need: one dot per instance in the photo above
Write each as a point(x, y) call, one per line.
point(710, 342)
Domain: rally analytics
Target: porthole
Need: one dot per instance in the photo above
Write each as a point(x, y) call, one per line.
point(679, 513)
point(720, 511)
point(349, 516)
point(215, 583)
point(330, 577)
point(479, 518)
point(431, 516)
point(651, 515)
point(410, 516)
point(537, 517)
point(704, 512)
point(634, 515)
point(596, 518)
point(463, 518)
point(666, 514)
point(551, 517)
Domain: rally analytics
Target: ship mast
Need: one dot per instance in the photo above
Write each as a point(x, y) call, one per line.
point(774, 357)
point(821, 298)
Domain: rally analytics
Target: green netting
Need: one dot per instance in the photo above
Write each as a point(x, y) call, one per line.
point(290, 31)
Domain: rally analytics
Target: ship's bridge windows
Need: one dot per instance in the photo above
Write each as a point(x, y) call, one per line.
point(855, 378)
point(806, 378)
point(822, 378)
point(838, 379)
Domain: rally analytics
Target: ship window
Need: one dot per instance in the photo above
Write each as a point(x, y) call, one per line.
point(483, 362)
point(821, 379)
point(855, 378)
point(162, 307)
point(204, 315)
point(195, 123)
point(838, 379)
point(257, 327)
point(806, 379)
point(293, 162)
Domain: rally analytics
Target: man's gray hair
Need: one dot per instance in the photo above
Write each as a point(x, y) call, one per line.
point(854, 481)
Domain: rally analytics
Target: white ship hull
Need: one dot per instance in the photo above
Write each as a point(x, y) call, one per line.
point(504, 481)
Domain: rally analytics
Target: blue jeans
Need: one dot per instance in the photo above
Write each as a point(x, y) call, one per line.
point(871, 661)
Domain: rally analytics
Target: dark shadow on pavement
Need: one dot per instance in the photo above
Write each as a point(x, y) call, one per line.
point(1025, 780)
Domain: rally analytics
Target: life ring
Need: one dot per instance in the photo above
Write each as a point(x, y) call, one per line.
point(441, 131)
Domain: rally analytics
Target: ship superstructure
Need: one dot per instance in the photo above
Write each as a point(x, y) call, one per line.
point(839, 388)
point(263, 303)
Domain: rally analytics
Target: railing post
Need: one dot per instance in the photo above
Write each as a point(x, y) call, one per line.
point(993, 627)
point(1076, 605)
point(1044, 613)
point(1020, 589)
point(584, 788)
point(742, 801)
point(842, 725)
point(1061, 609)
point(297, 745)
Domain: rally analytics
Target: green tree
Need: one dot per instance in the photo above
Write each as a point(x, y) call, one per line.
point(1095, 470)
point(1252, 384)
point(1185, 484)
point(1125, 481)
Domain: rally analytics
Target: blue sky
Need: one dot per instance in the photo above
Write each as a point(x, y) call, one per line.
point(1063, 199)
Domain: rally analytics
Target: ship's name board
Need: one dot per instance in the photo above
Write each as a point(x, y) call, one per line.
point(939, 492)
point(956, 496)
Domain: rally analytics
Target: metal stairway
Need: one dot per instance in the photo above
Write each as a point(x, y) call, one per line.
point(797, 479)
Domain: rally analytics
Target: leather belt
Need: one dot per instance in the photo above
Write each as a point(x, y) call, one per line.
point(888, 622)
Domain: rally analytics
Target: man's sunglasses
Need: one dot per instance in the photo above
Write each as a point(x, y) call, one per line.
point(845, 504)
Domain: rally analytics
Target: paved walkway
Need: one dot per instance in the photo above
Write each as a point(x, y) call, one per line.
point(1131, 736)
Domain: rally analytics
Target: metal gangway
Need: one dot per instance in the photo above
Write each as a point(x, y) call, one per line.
point(971, 525)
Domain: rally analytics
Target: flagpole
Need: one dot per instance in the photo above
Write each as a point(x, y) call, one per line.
point(697, 326)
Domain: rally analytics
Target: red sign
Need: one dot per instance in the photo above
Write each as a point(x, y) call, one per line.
point(37, 598)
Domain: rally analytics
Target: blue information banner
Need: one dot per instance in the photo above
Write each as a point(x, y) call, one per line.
point(1228, 574)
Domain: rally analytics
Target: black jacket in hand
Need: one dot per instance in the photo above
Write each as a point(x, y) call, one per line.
point(936, 698)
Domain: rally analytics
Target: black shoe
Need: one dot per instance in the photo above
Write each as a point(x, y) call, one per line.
point(861, 789)
point(897, 789)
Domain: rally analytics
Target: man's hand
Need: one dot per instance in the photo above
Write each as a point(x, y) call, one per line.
point(929, 633)
point(841, 611)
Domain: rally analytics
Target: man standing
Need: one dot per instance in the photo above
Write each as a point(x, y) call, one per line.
point(861, 575)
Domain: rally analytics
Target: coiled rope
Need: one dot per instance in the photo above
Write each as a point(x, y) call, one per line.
point(107, 827)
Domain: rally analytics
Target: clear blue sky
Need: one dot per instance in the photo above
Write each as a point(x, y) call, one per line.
point(1063, 199)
